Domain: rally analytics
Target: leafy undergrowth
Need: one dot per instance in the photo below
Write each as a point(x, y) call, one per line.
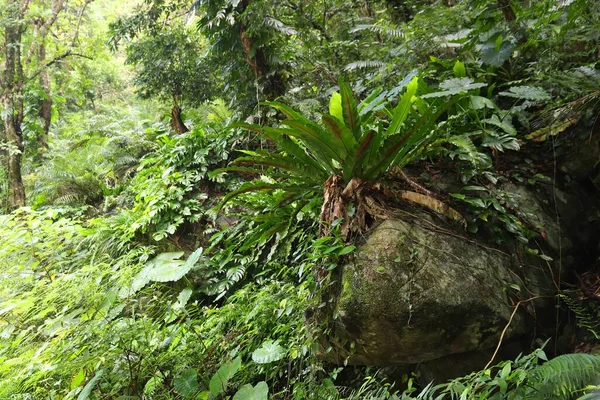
point(80, 323)
point(74, 317)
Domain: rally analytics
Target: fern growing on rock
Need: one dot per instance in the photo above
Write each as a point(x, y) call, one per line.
point(347, 155)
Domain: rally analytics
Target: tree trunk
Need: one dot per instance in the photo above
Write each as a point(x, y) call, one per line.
point(177, 123)
point(46, 103)
point(509, 13)
point(16, 190)
point(274, 84)
point(12, 101)
point(399, 11)
point(42, 30)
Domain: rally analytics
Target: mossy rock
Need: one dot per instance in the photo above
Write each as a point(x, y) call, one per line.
point(414, 292)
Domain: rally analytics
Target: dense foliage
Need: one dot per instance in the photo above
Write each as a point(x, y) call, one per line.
point(144, 255)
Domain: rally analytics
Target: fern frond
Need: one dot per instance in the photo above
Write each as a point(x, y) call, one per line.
point(564, 375)
point(390, 31)
point(364, 65)
point(585, 318)
point(279, 26)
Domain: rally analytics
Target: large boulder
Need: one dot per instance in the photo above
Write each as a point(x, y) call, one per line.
point(416, 290)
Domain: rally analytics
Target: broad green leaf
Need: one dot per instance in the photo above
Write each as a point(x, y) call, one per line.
point(375, 101)
point(173, 270)
point(350, 112)
point(78, 379)
point(269, 352)
point(186, 384)
point(184, 297)
point(293, 149)
point(504, 124)
point(459, 70)
point(501, 142)
point(316, 139)
point(249, 187)
point(401, 111)
point(258, 392)
point(87, 390)
point(166, 267)
point(495, 55)
point(152, 384)
point(335, 106)
point(479, 102)
point(219, 382)
point(340, 131)
point(455, 86)
point(346, 250)
point(533, 93)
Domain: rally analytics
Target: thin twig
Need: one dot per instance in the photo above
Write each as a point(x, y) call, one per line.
point(512, 315)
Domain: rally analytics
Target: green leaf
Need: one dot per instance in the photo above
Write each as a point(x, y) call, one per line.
point(350, 112)
point(533, 93)
point(186, 384)
point(166, 267)
point(504, 124)
point(479, 102)
point(184, 297)
point(78, 379)
point(87, 390)
point(501, 142)
point(219, 382)
point(455, 86)
point(316, 139)
point(341, 132)
point(152, 384)
point(258, 392)
point(269, 352)
point(401, 111)
point(173, 270)
point(495, 55)
point(346, 250)
point(335, 106)
point(459, 69)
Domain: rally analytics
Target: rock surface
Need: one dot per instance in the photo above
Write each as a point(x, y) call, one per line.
point(416, 291)
point(412, 294)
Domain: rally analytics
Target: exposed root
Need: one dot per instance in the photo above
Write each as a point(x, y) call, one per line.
point(358, 204)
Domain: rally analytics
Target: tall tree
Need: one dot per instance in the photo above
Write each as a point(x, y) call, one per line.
point(41, 30)
point(11, 95)
point(25, 23)
point(168, 56)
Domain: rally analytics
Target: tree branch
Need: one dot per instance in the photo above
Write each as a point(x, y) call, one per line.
point(312, 22)
point(79, 19)
point(54, 61)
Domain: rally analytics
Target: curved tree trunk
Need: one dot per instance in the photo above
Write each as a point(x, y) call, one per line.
point(45, 113)
point(177, 123)
point(257, 59)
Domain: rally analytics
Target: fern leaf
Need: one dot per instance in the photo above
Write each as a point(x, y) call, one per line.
point(533, 93)
point(564, 375)
point(387, 30)
point(365, 64)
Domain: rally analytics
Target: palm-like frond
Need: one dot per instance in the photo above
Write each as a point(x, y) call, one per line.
point(564, 376)
point(390, 31)
point(364, 64)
